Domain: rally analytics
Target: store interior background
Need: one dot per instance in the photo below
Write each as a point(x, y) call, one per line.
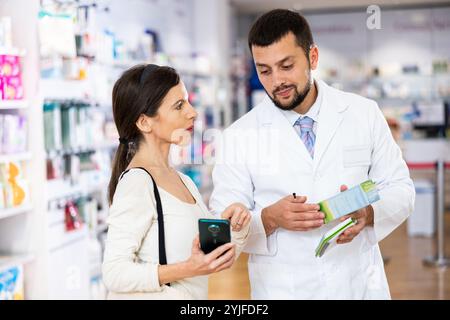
point(57, 137)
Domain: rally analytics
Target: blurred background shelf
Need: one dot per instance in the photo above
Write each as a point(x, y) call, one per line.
point(13, 104)
point(23, 156)
point(7, 261)
point(10, 212)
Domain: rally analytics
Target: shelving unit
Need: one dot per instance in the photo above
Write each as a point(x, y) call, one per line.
point(13, 51)
point(7, 261)
point(10, 212)
point(23, 156)
point(13, 104)
point(39, 227)
point(15, 251)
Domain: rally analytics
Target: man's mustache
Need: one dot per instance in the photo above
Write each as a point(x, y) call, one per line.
point(281, 88)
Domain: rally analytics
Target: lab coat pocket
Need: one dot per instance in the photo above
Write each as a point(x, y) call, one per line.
point(354, 156)
point(271, 281)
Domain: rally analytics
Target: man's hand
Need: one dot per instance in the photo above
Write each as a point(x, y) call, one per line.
point(363, 217)
point(292, 214)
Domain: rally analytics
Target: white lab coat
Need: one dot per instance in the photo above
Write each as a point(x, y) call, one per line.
point(262, 159)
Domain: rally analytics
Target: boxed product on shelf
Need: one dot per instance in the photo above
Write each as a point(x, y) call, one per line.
point(1, 133)
point(52, 125)
point(12, 88)
point(1, 89)
point(55, 168)
point(2, 196)
point(6, 32)
point(73, 124)
point(12, 283)
point(15, 186)
point(68, 122)
point(13, 133)
point(9, 65)
point(73, 219)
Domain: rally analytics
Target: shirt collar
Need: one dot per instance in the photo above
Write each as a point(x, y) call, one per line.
point(313, 112)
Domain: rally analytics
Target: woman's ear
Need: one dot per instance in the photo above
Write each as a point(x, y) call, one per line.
point(144, 123)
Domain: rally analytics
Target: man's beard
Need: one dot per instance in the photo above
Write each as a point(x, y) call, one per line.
point(299, 97)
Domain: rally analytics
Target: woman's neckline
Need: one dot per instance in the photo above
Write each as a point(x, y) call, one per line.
point(170, 194)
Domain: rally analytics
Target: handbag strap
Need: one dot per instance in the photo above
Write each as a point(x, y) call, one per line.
point(161, 239)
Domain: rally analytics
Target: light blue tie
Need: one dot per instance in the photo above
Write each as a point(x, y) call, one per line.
point(306, 133)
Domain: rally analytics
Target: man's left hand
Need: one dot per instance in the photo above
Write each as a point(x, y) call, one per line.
point(363, 217)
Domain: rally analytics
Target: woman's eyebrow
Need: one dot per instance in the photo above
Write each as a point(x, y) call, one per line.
point(178, 101)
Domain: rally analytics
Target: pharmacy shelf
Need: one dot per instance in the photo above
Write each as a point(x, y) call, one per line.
point(7, 261)
point(79, 150)
point(195, 73)
point(6, 213)
point(65, 89)
point(125, 64)
point(23, 156)
point(107, 145)
point(61, 189)
point(60, 237)
point(13, 104)
point(122, 64)
point(13, 51)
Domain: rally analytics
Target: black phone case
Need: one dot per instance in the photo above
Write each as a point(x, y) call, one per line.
point(213, 233)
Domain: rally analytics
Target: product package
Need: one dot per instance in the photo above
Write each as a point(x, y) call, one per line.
point(11, 283)
point(13, 133)
point(2, 197)
point(15, 187)
point(12, 88)
point(331, 236)
point(9, 66)
point(2, 126)
point(349, 201)
point(52, 125)
point(2, 91)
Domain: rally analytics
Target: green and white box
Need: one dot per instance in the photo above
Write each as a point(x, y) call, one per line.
point(349, 201)
point(331, 236)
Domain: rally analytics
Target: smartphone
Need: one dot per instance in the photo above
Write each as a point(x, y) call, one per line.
point(213, 233)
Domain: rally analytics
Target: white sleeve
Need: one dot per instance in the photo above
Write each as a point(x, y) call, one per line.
point(232, 183)
point(390, 172)
point(239, 238)
point(129, 220)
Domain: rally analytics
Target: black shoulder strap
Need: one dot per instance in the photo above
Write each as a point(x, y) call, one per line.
point(161, 239)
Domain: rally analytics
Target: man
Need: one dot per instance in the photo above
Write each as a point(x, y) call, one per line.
point(316, 141)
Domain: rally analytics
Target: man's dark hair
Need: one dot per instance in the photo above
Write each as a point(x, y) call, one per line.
point(275, 24)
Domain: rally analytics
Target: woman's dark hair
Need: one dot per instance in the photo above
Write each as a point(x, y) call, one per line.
point(275, 24)
point(140, 90)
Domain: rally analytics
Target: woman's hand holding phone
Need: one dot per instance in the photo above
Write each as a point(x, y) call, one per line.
point(238, 215)
point(217, 260)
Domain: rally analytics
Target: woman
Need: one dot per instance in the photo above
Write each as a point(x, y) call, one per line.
point(150, 109)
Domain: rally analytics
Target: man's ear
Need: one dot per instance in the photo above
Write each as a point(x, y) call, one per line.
point(144, 123)
point(314, 57)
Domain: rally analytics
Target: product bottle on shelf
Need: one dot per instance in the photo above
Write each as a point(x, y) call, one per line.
point(72, 217)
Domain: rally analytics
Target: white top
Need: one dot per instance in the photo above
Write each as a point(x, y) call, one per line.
point(130, 266)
